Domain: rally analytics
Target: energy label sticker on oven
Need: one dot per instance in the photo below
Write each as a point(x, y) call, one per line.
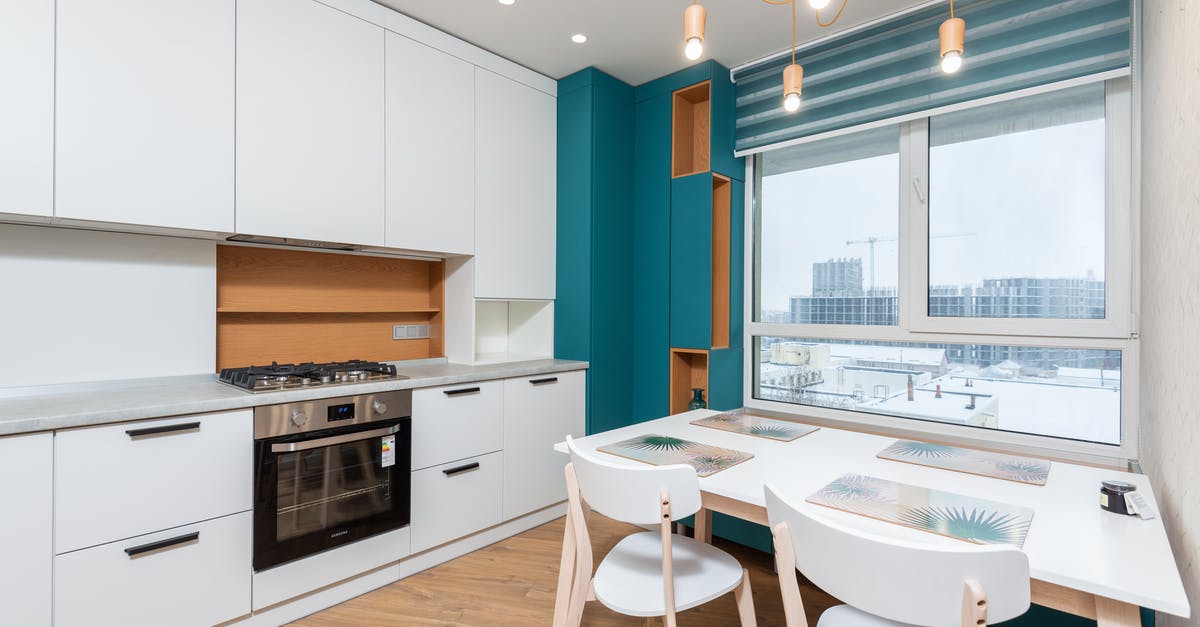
point(388, 450)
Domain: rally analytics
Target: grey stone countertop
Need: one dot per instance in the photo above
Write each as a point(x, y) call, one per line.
point(63, 406)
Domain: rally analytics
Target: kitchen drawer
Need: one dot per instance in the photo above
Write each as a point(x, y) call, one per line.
point(455, 422)
point(125, 480)
point(204, 581)
point(453, 500)
point(539, 411)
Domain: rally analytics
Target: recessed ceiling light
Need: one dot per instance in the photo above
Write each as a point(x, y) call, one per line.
point(506, 2)
point(579, 38)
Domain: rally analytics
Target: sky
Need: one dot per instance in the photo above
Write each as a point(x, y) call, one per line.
point(1022, 204)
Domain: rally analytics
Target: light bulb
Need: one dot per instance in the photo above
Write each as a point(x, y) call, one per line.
point(791, 103)
point(951, 62)
point(693, 49)
point(507, 2)
point(818, 4)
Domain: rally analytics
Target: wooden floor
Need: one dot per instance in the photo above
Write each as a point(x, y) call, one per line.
point(512, 583)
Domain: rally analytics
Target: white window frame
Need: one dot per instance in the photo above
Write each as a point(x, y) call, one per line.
point(1117, 331)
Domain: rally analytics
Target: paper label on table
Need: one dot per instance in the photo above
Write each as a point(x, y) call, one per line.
point(971, 461)
point(387, 446)
point(664, 450)
point(759, 426)
point(944, 513)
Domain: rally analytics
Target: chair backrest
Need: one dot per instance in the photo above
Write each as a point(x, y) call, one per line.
point(909, 582)
point(632, 494)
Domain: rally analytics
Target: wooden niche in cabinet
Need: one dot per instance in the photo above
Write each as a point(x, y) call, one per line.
point(721, 250)
point(689, 370)
point(690, 137)
point(296, 306)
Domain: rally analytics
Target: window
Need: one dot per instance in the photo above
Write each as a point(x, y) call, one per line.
point(964, 273)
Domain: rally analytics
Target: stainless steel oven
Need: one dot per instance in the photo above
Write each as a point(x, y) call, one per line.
point(329, 472)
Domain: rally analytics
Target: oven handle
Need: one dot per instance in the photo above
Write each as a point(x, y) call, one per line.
point(291, 447)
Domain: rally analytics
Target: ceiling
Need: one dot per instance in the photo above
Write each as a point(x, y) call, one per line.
point(633, 40)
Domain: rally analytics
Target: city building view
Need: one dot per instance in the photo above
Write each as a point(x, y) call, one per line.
point(1063, 392)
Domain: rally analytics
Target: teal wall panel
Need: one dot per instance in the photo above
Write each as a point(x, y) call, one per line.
point(691, 261)
point(652, 261)
point(572, 307)
point(612, 253)
point(725, 379)
point(722, 125)
point(665, 85)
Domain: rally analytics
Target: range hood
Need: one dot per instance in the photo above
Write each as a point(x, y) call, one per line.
point(288, 241)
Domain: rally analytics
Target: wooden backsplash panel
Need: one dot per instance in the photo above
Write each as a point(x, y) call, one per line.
point(270, 279)
point(297, 306)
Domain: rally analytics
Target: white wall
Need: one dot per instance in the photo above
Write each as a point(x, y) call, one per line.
point(1170, 289)
point(87, 306)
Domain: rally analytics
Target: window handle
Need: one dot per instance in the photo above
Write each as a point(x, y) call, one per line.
point(919, 188)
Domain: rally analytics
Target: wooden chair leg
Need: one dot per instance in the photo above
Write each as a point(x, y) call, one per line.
point(745, 601)
point(785, 564)
point(566, 571)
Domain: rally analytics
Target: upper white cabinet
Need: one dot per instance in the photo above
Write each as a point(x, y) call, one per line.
point(145, 112)
point(430, 140)
point(310, 123)
point(27, 107)
point(515, 135)
point(27, 491)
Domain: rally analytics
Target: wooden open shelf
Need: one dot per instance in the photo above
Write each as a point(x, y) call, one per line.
point(690, 116)
point(721, 197)
point(296, 306)
point(689, 369)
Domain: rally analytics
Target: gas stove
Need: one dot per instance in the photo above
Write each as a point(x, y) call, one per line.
point(307, 375)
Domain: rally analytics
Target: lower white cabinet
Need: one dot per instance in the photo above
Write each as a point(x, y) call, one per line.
point(26, 545)
point(123, 480)
point(199, 576)
point(539, 411)
point(456, 499)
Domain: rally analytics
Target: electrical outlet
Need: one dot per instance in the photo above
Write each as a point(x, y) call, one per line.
point(410, 331)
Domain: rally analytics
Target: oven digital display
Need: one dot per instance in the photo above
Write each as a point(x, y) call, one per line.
point(341, 412)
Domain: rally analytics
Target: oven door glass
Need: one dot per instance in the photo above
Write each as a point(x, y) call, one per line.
point(325, 489)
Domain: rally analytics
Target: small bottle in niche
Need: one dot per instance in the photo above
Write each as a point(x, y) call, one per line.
point(697, 401)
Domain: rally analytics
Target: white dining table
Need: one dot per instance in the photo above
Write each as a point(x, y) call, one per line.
point(1082, 560)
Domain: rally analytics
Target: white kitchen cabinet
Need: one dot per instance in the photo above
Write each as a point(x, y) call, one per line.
point(26, 544)
point(200, 577)
point(539, 411)
point(124, 480)
point(27, 107)
point(145, 111)
point(456, 499)
point(310, 123)
point(430, 140)
point(515, 135)
point(456, 421)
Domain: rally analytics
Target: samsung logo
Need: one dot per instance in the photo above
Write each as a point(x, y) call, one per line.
point(338, 534)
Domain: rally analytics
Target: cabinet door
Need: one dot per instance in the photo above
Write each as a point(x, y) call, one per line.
point(430, 140)
point(27, 466)
point(27, 107)
point(455, 500)
point(539, 411)
point(310, 131)
point(515, 129)
point(145, 112)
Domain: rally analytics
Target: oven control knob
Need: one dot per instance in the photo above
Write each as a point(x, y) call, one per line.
point(299, 418)
point(380, 407)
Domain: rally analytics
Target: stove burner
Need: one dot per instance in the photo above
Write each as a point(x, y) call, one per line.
point(287, 376)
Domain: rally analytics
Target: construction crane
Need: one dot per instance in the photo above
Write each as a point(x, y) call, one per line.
point(872, 240)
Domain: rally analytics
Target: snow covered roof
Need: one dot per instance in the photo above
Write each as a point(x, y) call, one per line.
point(889, 354)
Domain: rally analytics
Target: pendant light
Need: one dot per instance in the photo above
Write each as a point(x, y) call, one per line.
point(693, 31)
point(793, 74)
point(951, 34)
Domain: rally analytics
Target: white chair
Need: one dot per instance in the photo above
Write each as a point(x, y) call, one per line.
point(650, 573)
point(888, 582)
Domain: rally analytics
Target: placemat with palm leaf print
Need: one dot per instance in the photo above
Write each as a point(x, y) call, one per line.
point(944, 513)
point(740, 422)
point(998, 465)
point(664, 450)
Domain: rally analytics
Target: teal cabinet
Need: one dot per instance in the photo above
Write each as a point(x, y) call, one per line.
point(691, 261)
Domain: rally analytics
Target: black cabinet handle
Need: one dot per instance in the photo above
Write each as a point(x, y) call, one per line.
point(162, 544)
point(183, 426)
point(450, 472)
point(462, 391)
point(542, 381)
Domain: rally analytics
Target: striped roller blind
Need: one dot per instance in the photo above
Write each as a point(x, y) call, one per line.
point(891, 69)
